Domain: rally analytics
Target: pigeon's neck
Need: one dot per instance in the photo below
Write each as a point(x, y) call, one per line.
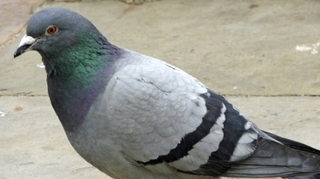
point(74, 85)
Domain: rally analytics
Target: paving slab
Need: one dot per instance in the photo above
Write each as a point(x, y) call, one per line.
point(265, 47)
point(14, 15)
point(34, 145)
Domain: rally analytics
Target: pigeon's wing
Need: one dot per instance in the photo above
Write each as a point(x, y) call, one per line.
point(165, 119)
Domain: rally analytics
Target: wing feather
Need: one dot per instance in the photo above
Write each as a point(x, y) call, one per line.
point(159, 102)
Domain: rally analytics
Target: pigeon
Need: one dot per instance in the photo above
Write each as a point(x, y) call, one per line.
point(136, 117)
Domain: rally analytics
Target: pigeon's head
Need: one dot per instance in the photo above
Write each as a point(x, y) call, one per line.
point(53, 31)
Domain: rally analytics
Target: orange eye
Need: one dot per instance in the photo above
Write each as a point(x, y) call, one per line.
point(52, 29)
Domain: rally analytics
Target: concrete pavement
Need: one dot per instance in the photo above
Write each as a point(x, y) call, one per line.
point(263, 55)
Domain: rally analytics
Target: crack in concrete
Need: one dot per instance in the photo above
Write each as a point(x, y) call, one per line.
point(12, 37)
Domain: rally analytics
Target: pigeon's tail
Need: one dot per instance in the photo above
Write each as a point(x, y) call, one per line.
point(316, 176)
point(286, 158)
point(312, 154)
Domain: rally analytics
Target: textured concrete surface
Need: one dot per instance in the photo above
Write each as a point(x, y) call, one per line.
point(246, 47)
point(34, 145)
point(267, 49)
point(14, 15)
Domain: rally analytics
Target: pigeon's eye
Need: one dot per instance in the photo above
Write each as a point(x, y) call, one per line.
point(51, 30)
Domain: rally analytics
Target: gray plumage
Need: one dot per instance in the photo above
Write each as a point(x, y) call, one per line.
point(134, 116)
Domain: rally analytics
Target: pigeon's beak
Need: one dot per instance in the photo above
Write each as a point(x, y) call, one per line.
point(24, 46)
